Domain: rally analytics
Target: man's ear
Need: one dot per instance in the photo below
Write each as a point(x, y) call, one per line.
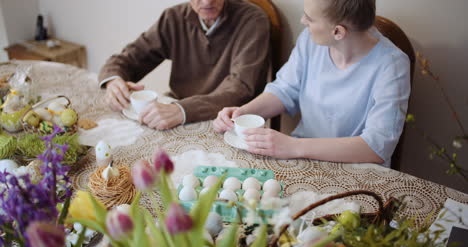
point(340, 32)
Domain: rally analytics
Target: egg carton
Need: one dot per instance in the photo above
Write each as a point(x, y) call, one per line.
point(228, 212)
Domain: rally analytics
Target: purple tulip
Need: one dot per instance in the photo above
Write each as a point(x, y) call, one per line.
point(162, 161)
point(119, 223)
point(177, 220)
point(45, 234)
point(142, 175)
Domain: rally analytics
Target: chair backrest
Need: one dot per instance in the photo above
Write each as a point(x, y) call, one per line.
point(394, 33)
point(275, 21)
point(276, 63)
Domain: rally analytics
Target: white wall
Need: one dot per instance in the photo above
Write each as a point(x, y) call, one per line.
point(3, 37)
point(20, 19)
point(436, 28)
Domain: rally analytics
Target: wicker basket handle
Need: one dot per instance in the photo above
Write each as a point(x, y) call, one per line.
point(296, 216)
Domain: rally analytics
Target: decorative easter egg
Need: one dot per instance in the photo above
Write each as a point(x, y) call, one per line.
point(110, 172)
point(69, 117)
point(210, 181)
point(251, 195)
point(232, 183)
point(272, 185)
point(214, 224)
point(44, 114)
point(46, 127)
point(190, 181)
point(251, 183)
point(103, 151)
point(188, 194)
point(12, 121)
point(32, 118)
point(56, 107)
point(8, 166)
point(229, 195)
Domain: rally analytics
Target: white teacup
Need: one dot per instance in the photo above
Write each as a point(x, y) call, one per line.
point(140, 99)
point(245, 122)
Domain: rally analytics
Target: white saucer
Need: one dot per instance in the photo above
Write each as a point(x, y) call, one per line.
point(232, 139)
point(130, 114)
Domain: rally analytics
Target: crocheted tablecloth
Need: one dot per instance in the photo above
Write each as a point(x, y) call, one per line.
point(423, 198)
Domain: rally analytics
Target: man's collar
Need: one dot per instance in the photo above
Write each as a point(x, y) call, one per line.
point(194, 19)
point(209, 30)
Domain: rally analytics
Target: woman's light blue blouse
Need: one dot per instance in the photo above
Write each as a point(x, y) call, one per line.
point(368, 99)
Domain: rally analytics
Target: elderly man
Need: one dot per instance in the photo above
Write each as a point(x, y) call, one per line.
point(219, 51)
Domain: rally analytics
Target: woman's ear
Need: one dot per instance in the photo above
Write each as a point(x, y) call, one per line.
point(339, 32)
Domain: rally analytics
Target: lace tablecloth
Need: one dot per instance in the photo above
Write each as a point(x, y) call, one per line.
point(423, 198)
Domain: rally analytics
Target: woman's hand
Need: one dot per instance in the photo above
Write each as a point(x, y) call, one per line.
point(272, 143)
point(223, 122)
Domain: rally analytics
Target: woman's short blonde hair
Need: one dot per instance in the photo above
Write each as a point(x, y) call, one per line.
point(357, 14)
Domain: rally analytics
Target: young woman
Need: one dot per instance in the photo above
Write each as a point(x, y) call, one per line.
point(350, 84)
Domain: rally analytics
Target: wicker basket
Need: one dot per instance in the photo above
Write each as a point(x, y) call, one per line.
point(28, 128)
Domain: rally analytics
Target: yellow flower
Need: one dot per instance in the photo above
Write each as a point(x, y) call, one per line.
point(81, 206)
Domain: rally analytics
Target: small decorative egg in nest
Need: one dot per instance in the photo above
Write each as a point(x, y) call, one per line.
point(112, 185)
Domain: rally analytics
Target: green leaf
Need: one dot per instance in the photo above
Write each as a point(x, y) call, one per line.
point(262, 236)
point(155, 232)
point(162, 224)
point(230, 237)
point(167, 194)
point(64, 211)
point(81, 237)
point(139, 237)
point(99, 210)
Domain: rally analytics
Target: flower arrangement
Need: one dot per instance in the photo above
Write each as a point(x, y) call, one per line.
point(41, 213)
point(132, 225)
point(459, 142)
point(29, 209)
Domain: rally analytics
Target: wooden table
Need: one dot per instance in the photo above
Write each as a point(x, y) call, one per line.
point(423, 198)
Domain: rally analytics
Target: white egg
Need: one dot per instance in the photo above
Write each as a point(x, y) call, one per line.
point(188, 194)
point(251, 183)
point(56, 106)
point(228, 195)
point(210, 181)
point(252, 195)
point(103, 151)
point(207, 237)
point(57, 120)
point(269, 194)
point(190, 181)
point(44, 114)
point(311, 233)
point(272, 185)
point(214, 224)
point(204, 190)
point(232, 183)
point(8, 166)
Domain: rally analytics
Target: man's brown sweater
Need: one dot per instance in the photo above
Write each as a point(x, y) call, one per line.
point(226, 68)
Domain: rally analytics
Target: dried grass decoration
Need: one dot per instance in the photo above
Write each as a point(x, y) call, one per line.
point(116, 190)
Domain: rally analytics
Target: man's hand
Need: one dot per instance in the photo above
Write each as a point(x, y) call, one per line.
point(272, 143)
point(223, 122)
point(118, 93)
point(161, 116)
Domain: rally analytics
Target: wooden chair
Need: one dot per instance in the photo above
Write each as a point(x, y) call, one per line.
point(275, 39)
point(394, 33)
